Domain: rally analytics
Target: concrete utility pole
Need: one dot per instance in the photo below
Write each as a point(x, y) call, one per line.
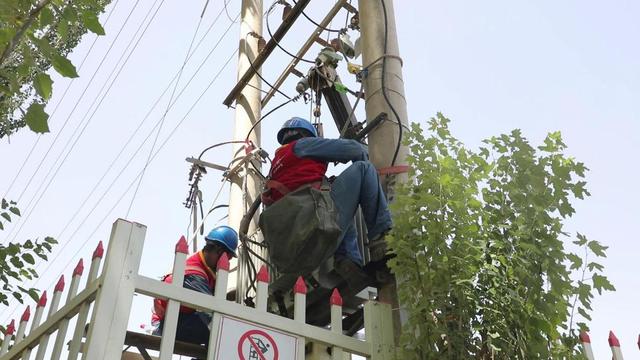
point(247, 113)
point(384, 139)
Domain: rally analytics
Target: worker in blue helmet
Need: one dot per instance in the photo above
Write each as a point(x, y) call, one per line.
point(199, 275)
point(303, 159)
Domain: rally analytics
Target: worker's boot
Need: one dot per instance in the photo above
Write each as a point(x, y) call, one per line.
point(352, 273)
point(378, 247)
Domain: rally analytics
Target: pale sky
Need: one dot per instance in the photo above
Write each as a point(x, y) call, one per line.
point(490, 67)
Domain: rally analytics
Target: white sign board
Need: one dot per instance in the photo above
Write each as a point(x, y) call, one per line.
point(238, 339)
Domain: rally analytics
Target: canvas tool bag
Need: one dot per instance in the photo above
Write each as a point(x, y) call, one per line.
point(301, 229)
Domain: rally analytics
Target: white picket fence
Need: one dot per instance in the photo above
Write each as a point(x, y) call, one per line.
point(110, 296)
point(614, 344)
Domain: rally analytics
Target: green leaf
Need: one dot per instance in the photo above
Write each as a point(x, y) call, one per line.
point(581, 240)
point(6, 216)
point(28, 258)
point(594, 265)
point(46, 17)
point(90, 20)
point(50, 240)
point(597, 248)
point(63, 66)
point(1, 226)
point(42, 83)
point(36, 118)
point(602, 283)
point(584, 314)
point(14, 210)
point(5, 204)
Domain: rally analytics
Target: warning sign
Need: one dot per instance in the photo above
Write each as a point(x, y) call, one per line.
point(242, 340)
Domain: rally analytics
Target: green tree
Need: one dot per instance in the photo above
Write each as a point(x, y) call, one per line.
point(36, 35)
point(479, 243)
point(17, 259)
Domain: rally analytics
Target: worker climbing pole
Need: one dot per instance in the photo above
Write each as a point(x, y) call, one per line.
point(245, 187)
point(384, 89)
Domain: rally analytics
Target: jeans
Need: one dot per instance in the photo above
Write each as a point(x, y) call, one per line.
point(193, 328)
point(359, 185)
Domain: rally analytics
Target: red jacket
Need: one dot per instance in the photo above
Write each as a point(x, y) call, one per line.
point(292, 172)
point(195, 265)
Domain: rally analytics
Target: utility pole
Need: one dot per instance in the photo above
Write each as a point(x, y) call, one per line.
point(246, 187)
point(383, 140)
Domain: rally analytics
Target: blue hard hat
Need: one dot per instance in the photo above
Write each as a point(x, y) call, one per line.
point(296, 123)
point(224, 235)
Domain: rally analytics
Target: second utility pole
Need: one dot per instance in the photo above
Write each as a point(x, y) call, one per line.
point(247, 187)
point(384, 90)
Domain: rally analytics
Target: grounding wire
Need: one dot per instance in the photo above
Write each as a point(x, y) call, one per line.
point(86, 123)
point(165, 141)
point(277, 43)
point(81, 95)
point(24, 219)
point(64, 94)
point(166, 111)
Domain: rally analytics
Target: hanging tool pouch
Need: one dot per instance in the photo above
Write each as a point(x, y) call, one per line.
point(301, 229)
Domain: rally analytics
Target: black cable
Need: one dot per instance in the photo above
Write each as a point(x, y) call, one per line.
point(219, 144)
point(384, 89)
point(258, 73)
point(295, 98)
point(278, 44)
point(318, 25)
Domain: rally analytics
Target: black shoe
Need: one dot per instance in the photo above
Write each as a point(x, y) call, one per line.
point(351, 272)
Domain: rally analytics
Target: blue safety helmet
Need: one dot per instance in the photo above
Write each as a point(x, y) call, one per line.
point(296, 123)
point(224, 235)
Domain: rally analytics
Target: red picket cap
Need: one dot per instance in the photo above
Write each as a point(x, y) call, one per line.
point(43, 299)
point(79, 268)
point(223, 262)
point(263, 274)
point(300, 287)
point(11, 328)
point(26, 315)
point(584, 337)
point(613, 340)
point(98, 252)
point(60, 284)
point(336, 299)
point(182, 246)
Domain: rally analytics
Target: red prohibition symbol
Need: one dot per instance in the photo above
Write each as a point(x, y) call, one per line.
point(257, 345)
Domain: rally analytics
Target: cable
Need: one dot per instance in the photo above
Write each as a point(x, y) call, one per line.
point(64, 94)
point(318, 25)
point(384, 89)
point(81, 96)
point(226, 2)
point(277, 43)
point(353, 109)
point(256, 70)
point(25, 219)
point(166, 111)
point(295, 98)
point(165, 141)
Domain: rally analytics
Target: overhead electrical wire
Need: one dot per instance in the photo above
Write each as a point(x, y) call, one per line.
point(293, 99)
point(164, 142)
point(64, 94)
point(81, 96)
point(257, 72)
point(166, 111)
point(318, 25)
point(86, 123)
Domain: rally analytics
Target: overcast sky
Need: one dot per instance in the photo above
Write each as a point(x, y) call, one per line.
point(491, 67)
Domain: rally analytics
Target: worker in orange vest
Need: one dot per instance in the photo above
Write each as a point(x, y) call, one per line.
point(200, 276)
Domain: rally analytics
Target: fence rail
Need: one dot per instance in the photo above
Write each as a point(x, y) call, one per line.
point(108, 299)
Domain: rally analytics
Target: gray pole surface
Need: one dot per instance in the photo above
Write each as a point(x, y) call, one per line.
point(247, 186)
point(384, 139)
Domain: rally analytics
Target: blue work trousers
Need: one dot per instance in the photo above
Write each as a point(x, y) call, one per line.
point(192, 328)
point(359, 185)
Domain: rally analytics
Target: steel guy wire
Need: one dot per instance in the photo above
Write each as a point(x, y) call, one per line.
point(84, 118)
point(77, 102)
point(135, 132)
point(166, 111)
point(164, 142)
point(64, 94)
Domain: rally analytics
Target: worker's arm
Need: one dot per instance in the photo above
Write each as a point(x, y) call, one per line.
point(331, 150)
point(197, 283)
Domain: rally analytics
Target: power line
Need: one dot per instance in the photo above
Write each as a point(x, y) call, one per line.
point(166, 111)
point(64, 94)
point(86, 123)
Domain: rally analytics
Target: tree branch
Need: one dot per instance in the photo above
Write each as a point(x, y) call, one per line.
point(18, 36)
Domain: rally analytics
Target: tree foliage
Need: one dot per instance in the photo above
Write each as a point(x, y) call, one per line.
point(36, 35)
point(17, 259)
point(479, 243)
